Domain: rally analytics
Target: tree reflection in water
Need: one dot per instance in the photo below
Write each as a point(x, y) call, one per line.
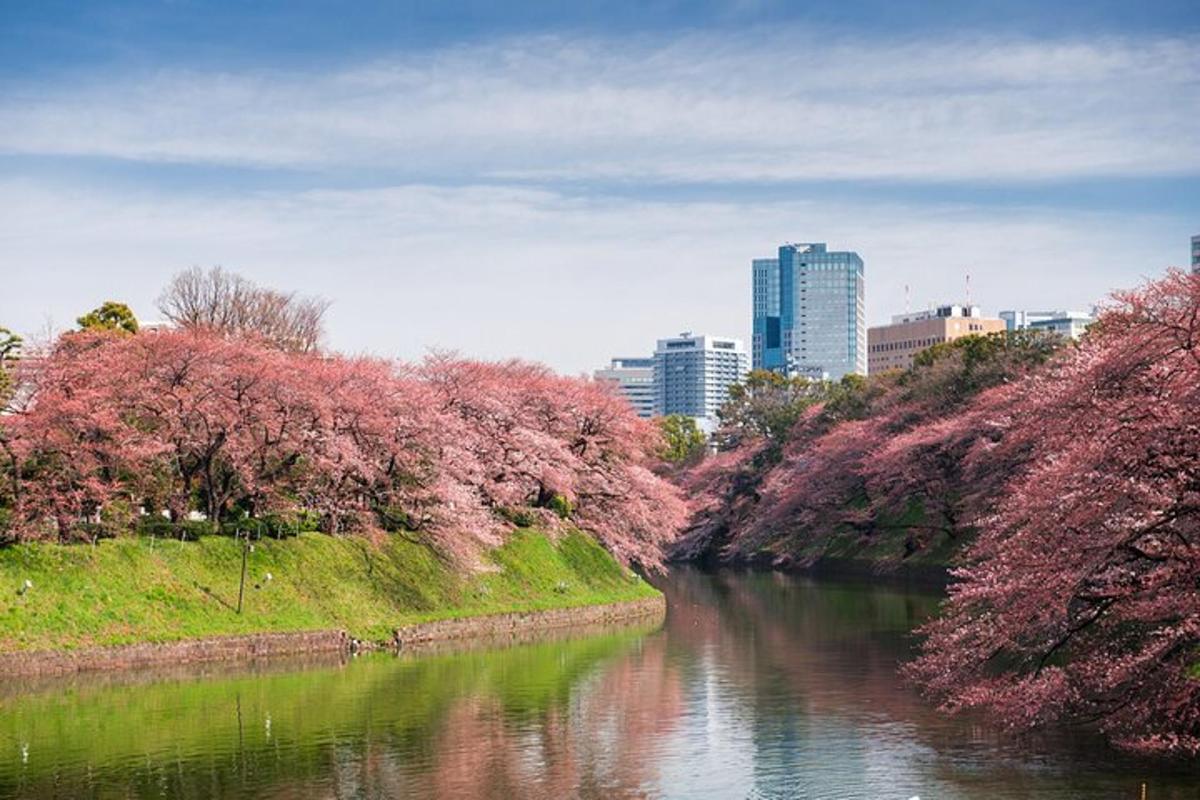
point(759, 685)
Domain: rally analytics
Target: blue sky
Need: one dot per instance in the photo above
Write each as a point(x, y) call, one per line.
point(569, 181)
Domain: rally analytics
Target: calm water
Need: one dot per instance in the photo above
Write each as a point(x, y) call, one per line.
point(758, 686)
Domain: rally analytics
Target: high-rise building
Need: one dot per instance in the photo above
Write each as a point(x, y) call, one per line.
point(1196, 253)
point(692, 375)
point(810, 312)
point(893, 346)
point(634, 378)
point(766, 343)
point(1070, 324)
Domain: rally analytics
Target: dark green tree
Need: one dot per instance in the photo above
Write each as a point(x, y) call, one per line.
point(10, 349)
point(109, 316)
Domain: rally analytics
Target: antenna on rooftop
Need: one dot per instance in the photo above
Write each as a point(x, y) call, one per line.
point(906, 299)
point(968, 290)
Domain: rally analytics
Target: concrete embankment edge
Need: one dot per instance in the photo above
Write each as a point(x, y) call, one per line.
point(267, 645)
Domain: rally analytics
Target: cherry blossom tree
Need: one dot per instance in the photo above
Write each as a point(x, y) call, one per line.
point(919, 479)
point(1080, 599)
point(820, 486)
point(866, 457)
point(525, 437)
point(453, 449)
point(70, 450)
point(720, 489)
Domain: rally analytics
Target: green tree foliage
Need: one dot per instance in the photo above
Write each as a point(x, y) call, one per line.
point(854, 397)
point(109, 316)
point(10, 345)
point(561, 504)
point(947, 374)
point(682, 438)
point(767, 405)
point(10, 350)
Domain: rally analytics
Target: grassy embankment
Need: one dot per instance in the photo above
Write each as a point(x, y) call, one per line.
point(146, 590)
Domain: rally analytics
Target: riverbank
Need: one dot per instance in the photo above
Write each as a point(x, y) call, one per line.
point(930, 575)
point(122, 602)
point(884, 554)
point(490, 630)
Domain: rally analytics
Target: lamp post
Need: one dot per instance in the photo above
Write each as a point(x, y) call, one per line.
point(246, 548)
point(242, 585)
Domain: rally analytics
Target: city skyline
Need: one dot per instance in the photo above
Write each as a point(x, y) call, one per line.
point(393, 168)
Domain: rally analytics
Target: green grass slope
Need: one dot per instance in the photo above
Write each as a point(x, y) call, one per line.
point(147, 590)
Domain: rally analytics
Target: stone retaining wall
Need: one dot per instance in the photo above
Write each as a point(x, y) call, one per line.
point(192, 651)
point(501, 625)
point(267, 645)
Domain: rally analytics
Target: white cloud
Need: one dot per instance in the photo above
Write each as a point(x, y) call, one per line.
point(748, 107)
point(572, 277)
point(568, 280)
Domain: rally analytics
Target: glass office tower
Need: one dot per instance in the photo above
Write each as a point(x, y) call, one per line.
point(766, 348)
point(810, 312)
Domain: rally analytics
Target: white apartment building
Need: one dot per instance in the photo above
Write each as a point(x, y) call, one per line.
point(693, 373)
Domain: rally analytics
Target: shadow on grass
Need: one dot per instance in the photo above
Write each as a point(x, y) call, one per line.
point(214, 596)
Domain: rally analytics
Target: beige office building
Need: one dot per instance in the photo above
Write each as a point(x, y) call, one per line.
point(893, 346)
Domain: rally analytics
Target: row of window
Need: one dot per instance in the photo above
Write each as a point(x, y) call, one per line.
point(906, 344)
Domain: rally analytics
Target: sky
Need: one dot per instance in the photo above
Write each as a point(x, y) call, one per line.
point(567, 182)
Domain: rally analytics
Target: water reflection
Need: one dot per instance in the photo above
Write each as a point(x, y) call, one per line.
point(758, 686)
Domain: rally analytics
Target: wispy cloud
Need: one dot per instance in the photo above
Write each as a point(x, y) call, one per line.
point(566, 279)
point(527, 200)
point(770, 106)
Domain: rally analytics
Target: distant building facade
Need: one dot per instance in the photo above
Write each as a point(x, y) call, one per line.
point(634, 378)
point(1070, 324)
point(1196, 253)
point(692, 375)
point(766, 344)
point(809, 307)
point(894, 346)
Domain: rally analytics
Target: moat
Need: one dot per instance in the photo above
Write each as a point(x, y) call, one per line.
point(758, 685)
